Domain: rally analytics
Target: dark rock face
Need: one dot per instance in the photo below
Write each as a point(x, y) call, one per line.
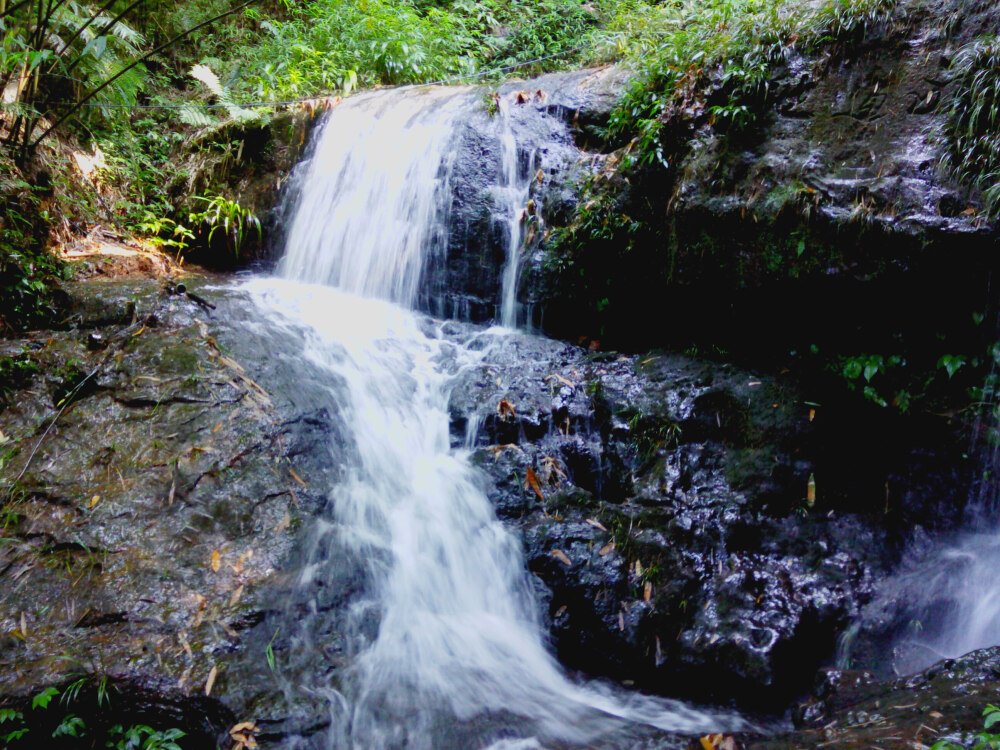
point(831, 222)
point(664, 503)
point(550, 118)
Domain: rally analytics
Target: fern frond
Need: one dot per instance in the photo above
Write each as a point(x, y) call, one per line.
point(205, 74)
point(123, 32)
point(196, 116)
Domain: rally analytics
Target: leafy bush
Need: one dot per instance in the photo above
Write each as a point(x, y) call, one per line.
point(338, 44)
point(985, 740)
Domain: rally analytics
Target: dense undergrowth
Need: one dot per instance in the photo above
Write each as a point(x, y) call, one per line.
point(165, 138)
point(161, 117)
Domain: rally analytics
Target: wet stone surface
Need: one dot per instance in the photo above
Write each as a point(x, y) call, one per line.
point(148, 532)
point(664, 505)
point(851, 709)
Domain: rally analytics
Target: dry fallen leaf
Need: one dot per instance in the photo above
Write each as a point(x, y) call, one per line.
point(496, 450)
point(173, 490)
point(235, 598)
point(531, 482)
point(283, 524)
point(559, 555)
point(217, 427)
point(211, 680)
point(296, 477)
point(596, 524)
point(24, 625)
point(607, 549)
point(647, 591)
point(243, 735)
point(216, 562)
point(505, 409)
point(621, 622)
point(94, 501)
point(561, 379)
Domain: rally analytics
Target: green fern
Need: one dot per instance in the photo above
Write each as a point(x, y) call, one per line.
point(198, 116)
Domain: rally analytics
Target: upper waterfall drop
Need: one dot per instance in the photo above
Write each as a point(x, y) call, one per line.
point(375, 195)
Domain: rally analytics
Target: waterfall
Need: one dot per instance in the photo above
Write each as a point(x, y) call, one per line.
point(373, 205)
point(513, 196)
point(443, 644)
point(943, 600)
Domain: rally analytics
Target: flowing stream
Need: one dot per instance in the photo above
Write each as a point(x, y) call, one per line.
point(443, 647)
point(944, 597)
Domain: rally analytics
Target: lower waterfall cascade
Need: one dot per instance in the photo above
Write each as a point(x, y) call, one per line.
point(443, 640)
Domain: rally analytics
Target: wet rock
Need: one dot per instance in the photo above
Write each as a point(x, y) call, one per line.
point(662, 502)
point(150, 519)
point(852, 709)
point(549, 118)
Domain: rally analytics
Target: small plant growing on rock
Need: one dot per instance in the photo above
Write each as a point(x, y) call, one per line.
point(235, 222)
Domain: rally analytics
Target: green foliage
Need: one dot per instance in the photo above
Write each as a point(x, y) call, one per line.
point(18, 729)
point(332, 45)
point(142, 737)
point(200, 117)
point(234, 223)
point(15, 373)
point(70, 726)
point(43, 698)
point(27, 272)
point(713, 59)
point(164, 232)
point(54, 54)
point(651, 434)
point(973, 125)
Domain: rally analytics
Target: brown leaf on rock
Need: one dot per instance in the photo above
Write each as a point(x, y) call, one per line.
point(559, 555)
point(607, 549)
point(596, 524)
point(559, 378)
point(216, 561)
point(211, 680)
point(531, 482)
point(506, 409)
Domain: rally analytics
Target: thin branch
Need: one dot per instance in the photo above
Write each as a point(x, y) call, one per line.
point(14, 7)
point(139, 61)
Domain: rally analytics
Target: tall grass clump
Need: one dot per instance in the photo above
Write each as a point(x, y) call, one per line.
point(973, 124)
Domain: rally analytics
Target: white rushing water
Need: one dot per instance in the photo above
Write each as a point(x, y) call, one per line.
point(445, 645)
point(513, 196)
point(375, 195)
point(945, 597)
